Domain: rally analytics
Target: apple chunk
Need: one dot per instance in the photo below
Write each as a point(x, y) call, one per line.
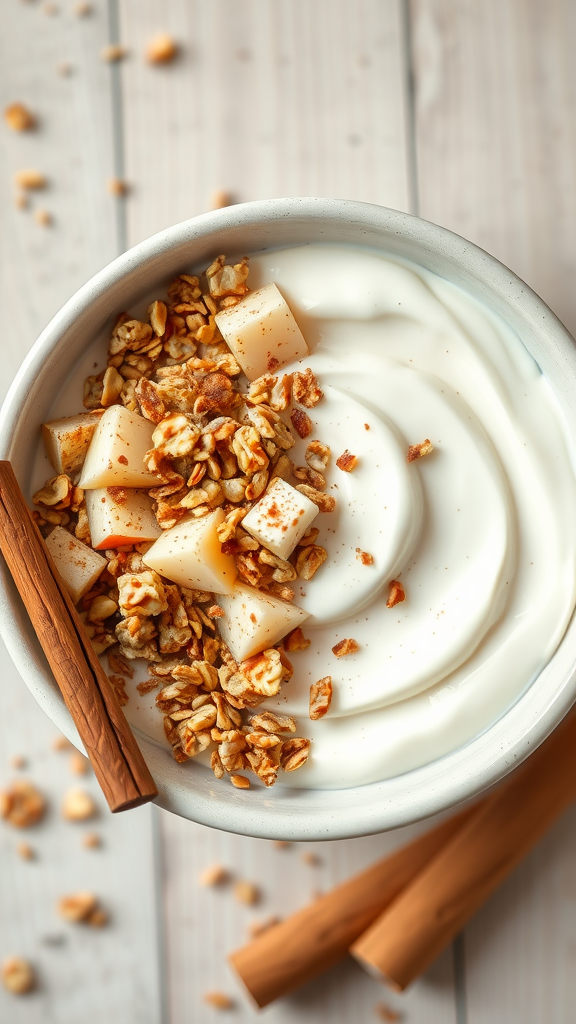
point(116, 454)
point(254, 621)
point(281, 518)
point(120, 515)
point(262, 332)
point(77, 564)
point(191, 554)
point(67, 441)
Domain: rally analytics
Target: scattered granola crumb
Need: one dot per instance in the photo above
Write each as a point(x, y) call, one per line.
point(78, 764)
point(219, 1000)
point(64, 69)
point(18, 761)
point(98, 918)
point(161, 49)
point(25, 851)
point(247, 893)
point(385, 1012)
point(311, 859)
point(78, 806)
point(17, 975)
point(321, 696)
point(364, 557)
point(344, 647)
point(111, 54)
point(305, 389)
point(21, 804)
point(347, 462)
point(117, 187)
point(21, 201)
point(418, 451)
point(49, 9)
point(77, 907)
point(301, 422)
point(19, 118)
point(296, 641)
point(43, 217)
point(213, 875)
point(91, 841)
point(215, 612)
point(220, 199)
point(29, 179)
point(82, 10)
point(281, 844)
point(240, 781)
point(396, 594)
point(61, 743)
point(147, 686)
point(256, 928)
point(366, 426)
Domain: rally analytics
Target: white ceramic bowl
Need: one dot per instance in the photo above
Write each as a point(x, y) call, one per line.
point(192, 791)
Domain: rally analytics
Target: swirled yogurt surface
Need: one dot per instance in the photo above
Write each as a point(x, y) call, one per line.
point(480, 533)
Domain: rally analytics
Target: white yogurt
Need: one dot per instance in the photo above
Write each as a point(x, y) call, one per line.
point(481, 532)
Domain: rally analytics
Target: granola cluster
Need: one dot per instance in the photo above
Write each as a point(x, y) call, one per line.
point(217, 442)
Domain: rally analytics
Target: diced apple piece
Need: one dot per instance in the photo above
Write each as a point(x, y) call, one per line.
point(77, 564)
point(116, 454)
point(254, 621)
point(262, 332)
point(120, 515)
point(67, 441)
point(191, 554)
point(280, 518)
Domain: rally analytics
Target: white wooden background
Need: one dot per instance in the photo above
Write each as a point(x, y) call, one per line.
point(459, 110)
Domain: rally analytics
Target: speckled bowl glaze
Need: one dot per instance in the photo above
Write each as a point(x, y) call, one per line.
point(191, 790)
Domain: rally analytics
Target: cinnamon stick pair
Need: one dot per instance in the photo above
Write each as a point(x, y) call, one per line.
point(397, 917)
point(116, 758)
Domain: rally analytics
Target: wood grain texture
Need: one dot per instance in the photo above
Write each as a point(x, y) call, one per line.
point(109, 976)
point(496, 151)
point(266, 99)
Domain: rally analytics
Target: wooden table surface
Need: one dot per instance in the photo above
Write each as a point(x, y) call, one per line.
point(458, 110)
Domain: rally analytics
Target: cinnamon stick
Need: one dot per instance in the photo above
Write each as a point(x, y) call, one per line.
point(116, 758)
point(316, 937)
point(429, 912)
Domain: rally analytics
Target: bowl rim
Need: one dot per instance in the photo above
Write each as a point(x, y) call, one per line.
point(377, 807)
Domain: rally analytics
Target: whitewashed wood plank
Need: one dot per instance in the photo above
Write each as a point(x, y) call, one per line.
point(266, 100)
point(203, 925)
point(109, 976)
point(496, 151)
point(41, 267)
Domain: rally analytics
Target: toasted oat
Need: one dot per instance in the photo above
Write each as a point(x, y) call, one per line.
point(385, 1012)
point(311, 859)
point(19, 118)
point(320, 698)
point(301, 422)
point(43, 218)
point(77, 907)
point(21, 805)
point(296, 641)
point(78, 764)
point(240, 781)
point(294, 753)
point(325, 502)
point(147, 686)
point(98, 918)
point(318, 456)
point(344, 647)
point(30, 179)
point(220, 199)
point(347, 462)
point(161, 49)
point(82, 10)
point(61, 743)
point(364, 557)
point(396, 594)
point(25, 851)
point(247, 893)
point(418, 451)
point(273, 722)
point(17, 975)
point(256, 928)
point(112, 53)
point(91, 841)
point(305, 389)
point(219, 1000)
point(309, 559)
point(215, 874)
point(78, 805)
